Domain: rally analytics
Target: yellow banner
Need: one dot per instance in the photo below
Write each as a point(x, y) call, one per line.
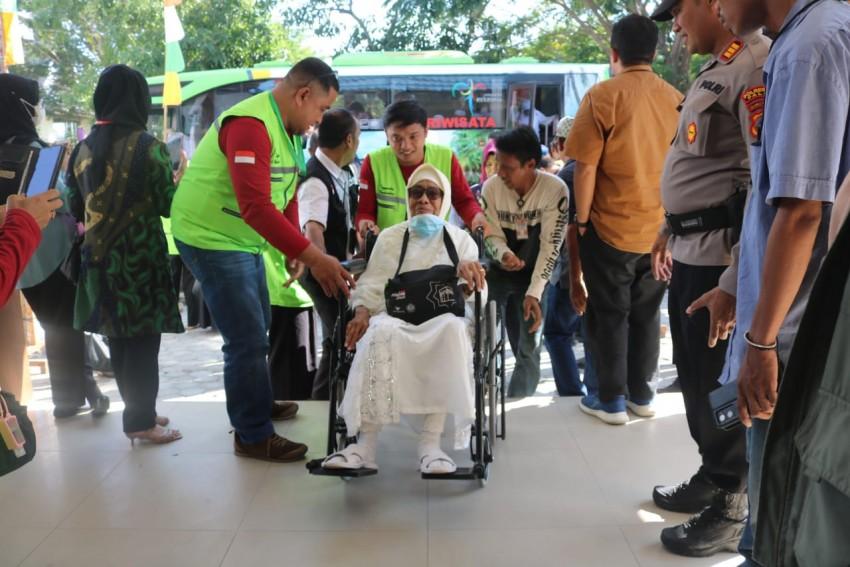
point(13, 47)
point(171, 94)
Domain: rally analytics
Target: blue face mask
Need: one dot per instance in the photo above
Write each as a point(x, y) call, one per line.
point(426, 225)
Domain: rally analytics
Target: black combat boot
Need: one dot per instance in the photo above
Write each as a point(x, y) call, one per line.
point(717, 528)
point(688, 498)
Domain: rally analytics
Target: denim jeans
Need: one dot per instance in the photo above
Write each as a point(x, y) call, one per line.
point(234, 287)
point(560, 325)
point(756, 437)
point(525, 346)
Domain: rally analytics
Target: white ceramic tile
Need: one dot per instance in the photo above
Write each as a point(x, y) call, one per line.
point(131, 548)
point(644, 542)
point(292, 499)
point(573, 547)
point(17, 543)
point(329, 549)
point(526, 490)
point(81, 433)
point(44, 491)
point(159, 486)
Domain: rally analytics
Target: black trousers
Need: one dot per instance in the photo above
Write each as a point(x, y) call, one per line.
point(724, 458)
point(623, 318)
point(135, 361)
point(197, 314)
point(292, 353)
point(71, 379)
point(328, 310)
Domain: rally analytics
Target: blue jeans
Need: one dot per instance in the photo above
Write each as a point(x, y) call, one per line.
point(560, 325)
point(756, 437)
point(234, 287)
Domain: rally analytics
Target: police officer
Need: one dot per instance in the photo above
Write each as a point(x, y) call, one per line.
point(704, 187)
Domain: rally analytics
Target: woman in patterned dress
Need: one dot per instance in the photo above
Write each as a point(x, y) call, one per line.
point(120, 184)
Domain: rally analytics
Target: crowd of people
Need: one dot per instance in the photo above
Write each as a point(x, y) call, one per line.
point(738, 222)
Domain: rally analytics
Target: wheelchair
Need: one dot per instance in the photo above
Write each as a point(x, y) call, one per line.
point(489, 345)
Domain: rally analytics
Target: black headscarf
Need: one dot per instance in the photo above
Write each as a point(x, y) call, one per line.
point(122, 102)
point(17, 120)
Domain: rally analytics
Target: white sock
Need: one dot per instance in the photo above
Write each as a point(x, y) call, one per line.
point(429, 439)
point(367, 440)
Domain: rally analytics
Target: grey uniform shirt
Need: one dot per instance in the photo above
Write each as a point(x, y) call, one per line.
point(709, 158)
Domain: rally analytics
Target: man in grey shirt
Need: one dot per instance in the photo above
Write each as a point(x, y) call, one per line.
point(703, 189)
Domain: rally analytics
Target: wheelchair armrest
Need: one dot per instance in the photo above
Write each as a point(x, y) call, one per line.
point(355, 266)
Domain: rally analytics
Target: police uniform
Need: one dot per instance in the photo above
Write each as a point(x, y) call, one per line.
point(704, 186)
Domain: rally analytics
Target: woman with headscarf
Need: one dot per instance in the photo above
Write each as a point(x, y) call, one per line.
point(120, 185)
point(405, 368)
point(47, 290)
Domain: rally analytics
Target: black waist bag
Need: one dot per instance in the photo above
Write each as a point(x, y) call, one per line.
point(420, 295)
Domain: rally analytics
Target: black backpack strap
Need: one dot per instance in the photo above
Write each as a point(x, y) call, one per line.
point(450, 247)
point(403, 251)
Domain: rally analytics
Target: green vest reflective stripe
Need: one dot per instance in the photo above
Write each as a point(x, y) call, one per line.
point(205, 213)
point(390, 186)
point(276, 276)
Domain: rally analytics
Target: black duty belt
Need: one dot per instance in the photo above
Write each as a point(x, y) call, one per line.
point(728, 215)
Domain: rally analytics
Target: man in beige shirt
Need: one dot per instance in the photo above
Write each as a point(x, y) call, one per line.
point(620, 138)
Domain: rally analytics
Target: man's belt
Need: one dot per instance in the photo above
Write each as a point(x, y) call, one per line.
point(728, 215)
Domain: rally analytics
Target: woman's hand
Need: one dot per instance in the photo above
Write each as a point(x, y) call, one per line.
point(42, 207)
point(473, 272)
point(356, 327)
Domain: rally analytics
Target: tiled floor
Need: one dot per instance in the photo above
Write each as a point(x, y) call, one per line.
point(565, 490)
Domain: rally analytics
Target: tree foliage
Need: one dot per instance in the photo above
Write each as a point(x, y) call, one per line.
point(409, 24)
point(75, 39)
point(556, 30)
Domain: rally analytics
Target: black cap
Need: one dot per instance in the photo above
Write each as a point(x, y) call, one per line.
point(662, 12)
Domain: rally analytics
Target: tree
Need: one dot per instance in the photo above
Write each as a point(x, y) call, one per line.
point(594, 19)
point(409, 24)
point(75, 39)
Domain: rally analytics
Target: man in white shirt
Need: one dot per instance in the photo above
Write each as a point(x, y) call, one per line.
point(527, 211)
point(327, 202)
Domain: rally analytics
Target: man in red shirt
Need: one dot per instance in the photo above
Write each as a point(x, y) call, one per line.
point(384, 174)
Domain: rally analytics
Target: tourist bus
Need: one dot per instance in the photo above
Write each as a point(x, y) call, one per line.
point(465, 101)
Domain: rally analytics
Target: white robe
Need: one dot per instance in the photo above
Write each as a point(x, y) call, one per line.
point(400, 368)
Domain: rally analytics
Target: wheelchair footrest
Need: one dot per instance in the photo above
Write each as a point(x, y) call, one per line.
point(315, 467)
point(462, 473)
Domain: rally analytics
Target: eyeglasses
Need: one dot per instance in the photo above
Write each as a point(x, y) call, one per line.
point(417, 191)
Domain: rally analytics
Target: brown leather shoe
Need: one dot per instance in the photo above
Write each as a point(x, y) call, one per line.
point(276, 449)
point(282, 411)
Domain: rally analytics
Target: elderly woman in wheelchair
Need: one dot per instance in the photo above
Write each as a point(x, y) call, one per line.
point(411, 327)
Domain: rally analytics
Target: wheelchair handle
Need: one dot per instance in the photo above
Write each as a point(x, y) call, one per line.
point(355, 266)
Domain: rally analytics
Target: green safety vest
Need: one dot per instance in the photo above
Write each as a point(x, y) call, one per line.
point(276, 276)
point(205, 213)
point(390, 186)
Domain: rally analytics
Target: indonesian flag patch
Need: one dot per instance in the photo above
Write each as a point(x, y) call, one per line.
point(244, 156)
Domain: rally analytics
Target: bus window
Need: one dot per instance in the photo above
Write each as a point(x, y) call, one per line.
point(547, 105)
point(366, 98)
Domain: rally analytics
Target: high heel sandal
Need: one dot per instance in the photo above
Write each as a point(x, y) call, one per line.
point(157, 435)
